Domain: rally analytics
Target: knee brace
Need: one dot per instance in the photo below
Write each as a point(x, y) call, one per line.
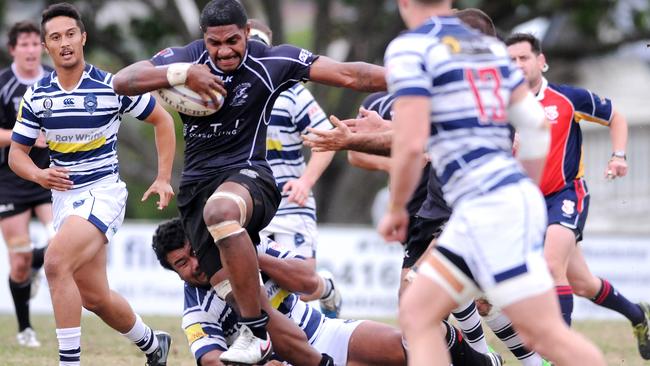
point(239, 201)
point(19, 245)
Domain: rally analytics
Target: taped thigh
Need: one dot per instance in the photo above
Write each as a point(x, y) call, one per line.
point(238, 200)
point(223, 289)
point(443, 272)
point(225, 229)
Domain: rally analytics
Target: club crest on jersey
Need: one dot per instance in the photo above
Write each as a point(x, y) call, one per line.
point(47, 104)
point(551, 113)
point(240, 95)
point(90, 103)
point(568, 207)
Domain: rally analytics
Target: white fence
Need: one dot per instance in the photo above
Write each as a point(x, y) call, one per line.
point(366, 268)
point(624, 204)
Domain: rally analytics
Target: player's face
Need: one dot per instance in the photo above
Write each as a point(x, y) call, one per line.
point(528, 61)
point(27, 52)
point(185, 263)
point(226, 45)
point(64, 42)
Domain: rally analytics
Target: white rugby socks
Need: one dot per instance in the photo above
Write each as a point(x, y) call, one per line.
point(69, 346)
point(142, 336)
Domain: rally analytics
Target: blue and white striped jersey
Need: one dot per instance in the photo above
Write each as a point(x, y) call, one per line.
point(306, 317)
point(293, 112)
point(80, 125)
point(210, 324)
point(469, 78)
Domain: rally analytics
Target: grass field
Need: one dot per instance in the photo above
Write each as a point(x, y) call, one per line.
point(103, 346)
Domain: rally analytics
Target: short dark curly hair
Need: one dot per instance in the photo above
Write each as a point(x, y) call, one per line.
point(223, 12)
point(169, 236)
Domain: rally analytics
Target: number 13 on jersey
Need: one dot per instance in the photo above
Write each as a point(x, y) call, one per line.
point(485, 84)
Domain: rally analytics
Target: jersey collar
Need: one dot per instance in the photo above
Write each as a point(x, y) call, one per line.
point(25, 81)
point(542, 90)
point(55, 78)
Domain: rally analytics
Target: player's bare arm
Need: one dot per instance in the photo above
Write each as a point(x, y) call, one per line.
point(5, 137)
point(291, 274)
point(166, 148)
point(143, 76)
point(369, 161)
point(359, 76)
point(299, 189)
point(55, 178)
point(618, 131)
point(342, 138)
point(411, 129)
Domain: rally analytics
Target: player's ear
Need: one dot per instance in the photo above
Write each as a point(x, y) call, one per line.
point(84, 36)
point(541, 59)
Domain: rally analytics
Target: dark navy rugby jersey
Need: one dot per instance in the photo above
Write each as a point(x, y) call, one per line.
point(235, 136)
point(427, 200)
point(14, 189)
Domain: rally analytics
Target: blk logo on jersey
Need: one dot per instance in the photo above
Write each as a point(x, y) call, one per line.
point(241, 95)
point(68, 102)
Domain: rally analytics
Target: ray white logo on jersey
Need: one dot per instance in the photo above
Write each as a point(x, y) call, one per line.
point(80, 137)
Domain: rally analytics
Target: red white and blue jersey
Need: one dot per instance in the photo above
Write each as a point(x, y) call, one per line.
point(294, 111)
point(80, 125)
point(235, 136)
point(565, 107)
point(469, 79)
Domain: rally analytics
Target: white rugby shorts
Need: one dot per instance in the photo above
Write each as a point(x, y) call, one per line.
point(500, 237)
point(334, 338)
point(103, 205)
point(297, 233)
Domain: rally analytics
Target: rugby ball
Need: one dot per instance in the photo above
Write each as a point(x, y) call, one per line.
point(184, 100)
